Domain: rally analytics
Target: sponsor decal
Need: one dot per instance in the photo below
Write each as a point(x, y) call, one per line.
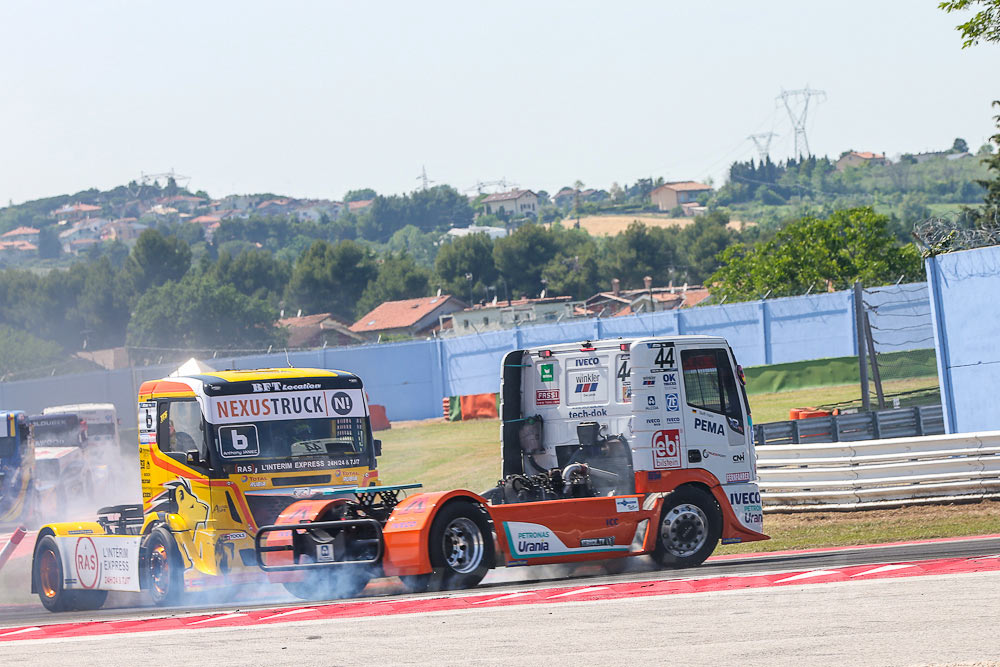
point(546, 397)
point(597, 541)
point(666, 449)
point(239, 440)
point(739, 458)
point(88, 568)
point(532, 540)
point(652, 421)
point(147, 417)
point(651, 401)
point(664, 357)
point(670, 378)
point(291, 405)
point(626, 392)
point(258, 387)
point(672, 420)
point(588, 361)
point(408, 523)
point(744, 498)
point(709, 426)
point(586, 387)
point(301, 492)
point(626, 505)
point(234, 536)
point(705, 453)
point(324, 553)
point(673, 402)
point(350, 461)
point(648, 380)
point(593, 412)
point(611, 521)
point(547, 373)
point(737, 477)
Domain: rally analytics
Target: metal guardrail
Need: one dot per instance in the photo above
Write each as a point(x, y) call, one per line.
point(892, 423)
point(879, 473)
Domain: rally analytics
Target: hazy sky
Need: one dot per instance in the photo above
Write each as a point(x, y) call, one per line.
point(315, 98)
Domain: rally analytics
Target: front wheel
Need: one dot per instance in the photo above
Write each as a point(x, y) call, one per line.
point(47, 575)
point(164, 568)
point(690, 528)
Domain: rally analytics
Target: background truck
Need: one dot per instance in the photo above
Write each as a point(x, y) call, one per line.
point(98, 425)
point(62, 473)
point(270, 475)
point(17, 469)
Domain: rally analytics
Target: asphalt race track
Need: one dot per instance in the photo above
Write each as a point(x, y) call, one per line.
point(934, 601)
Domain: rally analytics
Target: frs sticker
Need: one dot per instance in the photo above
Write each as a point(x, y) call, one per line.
point(737, 477)
point(546, 397)
point(627, 504)
point(666, 449)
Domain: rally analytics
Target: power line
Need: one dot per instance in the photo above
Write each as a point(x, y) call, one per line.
point(797, 104)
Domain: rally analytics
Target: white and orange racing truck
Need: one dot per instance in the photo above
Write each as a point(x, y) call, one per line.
point(610, 449)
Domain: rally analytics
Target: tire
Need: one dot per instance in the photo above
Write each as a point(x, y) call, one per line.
point(690, 528)
point(164, 569)
point(47, 576)
point(334, 583)
point(614, 565)
point(88, 600)
point(460, 549)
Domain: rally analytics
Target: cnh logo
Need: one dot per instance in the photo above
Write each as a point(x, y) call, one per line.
point(342, 403)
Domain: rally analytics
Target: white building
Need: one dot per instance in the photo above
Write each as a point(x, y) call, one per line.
point(514, 204)
point(506, 314)
point(493, 232)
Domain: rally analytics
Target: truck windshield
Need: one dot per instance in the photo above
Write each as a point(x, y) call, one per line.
point(100, 429)
point(55, 432)
point(345, 439)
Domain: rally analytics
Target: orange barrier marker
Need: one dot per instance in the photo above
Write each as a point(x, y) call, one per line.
point(12, 543)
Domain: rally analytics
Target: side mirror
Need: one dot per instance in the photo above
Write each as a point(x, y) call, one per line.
point(378, 447)
point(193, 457)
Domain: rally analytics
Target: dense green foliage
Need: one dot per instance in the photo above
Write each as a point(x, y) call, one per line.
point(984, 24)
point(847, 246)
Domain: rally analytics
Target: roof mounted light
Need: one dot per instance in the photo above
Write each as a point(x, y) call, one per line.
point(545, 354)
point(624, 347)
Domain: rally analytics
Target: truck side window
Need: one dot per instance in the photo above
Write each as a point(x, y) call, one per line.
point(181, 427)
point(709, 382)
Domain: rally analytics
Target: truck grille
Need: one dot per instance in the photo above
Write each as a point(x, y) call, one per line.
point(265, 509)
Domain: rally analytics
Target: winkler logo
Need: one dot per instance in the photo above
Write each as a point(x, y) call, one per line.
point(586, 387)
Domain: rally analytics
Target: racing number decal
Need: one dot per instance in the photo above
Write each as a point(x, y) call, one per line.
point(624, 372)
point(665, 357)
point(666, 449)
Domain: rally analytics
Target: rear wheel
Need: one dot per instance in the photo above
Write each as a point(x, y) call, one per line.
point(690, 527)
point(164, 568)
point(460, 550)
point(89, 600)
point(333, 583)
point(47, 573)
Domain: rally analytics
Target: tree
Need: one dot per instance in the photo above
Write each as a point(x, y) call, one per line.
point(983, 26)
point(199, 313)
point(156, 259)
point(20, 351)
point(359, 195)
point(472, 254)
point(253, 272)
point(640, 251)
point(700, 244)
point(988, 215)
point(49, 246)
point(848, 245)
point(331, 278)
point(959, 146)
point(521, 258)
point(399, 277)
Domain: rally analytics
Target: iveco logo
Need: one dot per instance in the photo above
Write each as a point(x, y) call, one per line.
point(588, 361)
point(342, 403)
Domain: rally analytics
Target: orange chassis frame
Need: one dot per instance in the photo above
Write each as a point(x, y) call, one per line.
point(406, 533)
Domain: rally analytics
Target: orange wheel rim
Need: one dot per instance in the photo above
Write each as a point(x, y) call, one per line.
point(159, 569)
point(49, 571)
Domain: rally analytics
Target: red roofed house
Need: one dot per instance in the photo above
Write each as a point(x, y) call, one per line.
point(74, 211)
point(186, 203)
point(515, 203)
point(671, 195)
point(359, 205)
point(29, 234)
point(856, 159)
point(619, 302)
point(409, 317)
point(320, 330)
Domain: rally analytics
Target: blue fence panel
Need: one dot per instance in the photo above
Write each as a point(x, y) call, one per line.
point(966, 316)
point(812, 327)
point(739, 323)
point(900, 317)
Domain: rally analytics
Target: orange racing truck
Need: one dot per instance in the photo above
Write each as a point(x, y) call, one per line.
point(270, 476)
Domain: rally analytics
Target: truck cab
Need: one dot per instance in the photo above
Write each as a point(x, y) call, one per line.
point(645, 417)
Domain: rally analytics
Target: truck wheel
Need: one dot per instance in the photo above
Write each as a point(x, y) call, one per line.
point(164, 568)
point(460, 549)
point(335, 583)
point(47, 573)
point(88, 600)
point(690, 528)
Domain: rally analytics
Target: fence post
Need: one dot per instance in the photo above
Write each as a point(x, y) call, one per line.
point(765, 330)
point(859, 318)
point(941, 344)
